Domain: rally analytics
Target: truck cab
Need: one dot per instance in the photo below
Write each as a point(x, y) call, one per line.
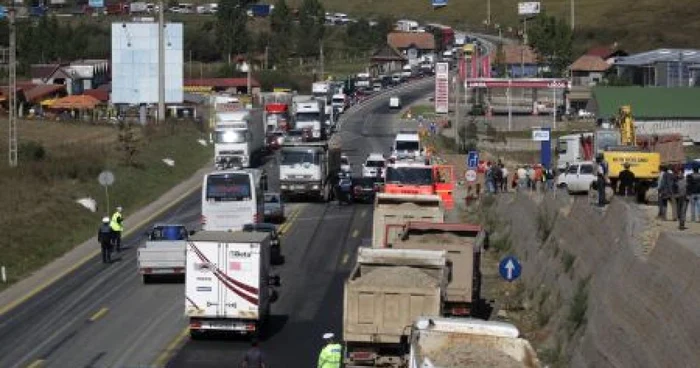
point(239, 137)
point(407, 145)
point(311, 115)
point(306, 168)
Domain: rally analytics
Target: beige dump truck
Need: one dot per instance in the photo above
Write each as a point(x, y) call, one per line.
point(463, 244)
point(385, 293)
point(391, 211)
point(468, 343)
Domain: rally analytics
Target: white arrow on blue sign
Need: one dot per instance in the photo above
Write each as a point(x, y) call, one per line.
point(509, 268)
point(473, 159)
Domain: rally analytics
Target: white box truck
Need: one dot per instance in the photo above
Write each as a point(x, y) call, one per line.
point(228, 285)
point(239, 138)
point(311, 115)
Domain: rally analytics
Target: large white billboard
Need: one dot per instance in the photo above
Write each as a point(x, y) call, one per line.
point(135, 63)
point(528, 8)
point(442, 88)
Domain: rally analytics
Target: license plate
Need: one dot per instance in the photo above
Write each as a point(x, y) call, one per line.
point(225, 326)
point(298, 187)
point(162, 270)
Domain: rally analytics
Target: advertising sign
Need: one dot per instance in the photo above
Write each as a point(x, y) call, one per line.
point(540, 135)
point(529, 8)
point(442, 88)
point(439, 3)
point(96, 3)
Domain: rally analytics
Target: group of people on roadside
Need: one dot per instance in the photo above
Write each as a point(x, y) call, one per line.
point(679, 190)
point(329, 357)
point(526, 177)
point(109, 234)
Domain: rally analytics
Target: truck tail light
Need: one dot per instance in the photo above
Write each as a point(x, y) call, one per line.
point(195, 325)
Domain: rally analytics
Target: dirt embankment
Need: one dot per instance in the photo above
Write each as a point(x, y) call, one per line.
point(593, 299)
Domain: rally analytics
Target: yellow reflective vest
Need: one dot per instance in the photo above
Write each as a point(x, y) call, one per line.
point(330, 356)
point(116, 222)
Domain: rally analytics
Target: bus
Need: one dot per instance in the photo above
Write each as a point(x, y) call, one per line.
point(232, 199)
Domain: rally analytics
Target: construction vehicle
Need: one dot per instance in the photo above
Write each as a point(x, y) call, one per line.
point(463, 342)
point(620, 144)
point(463, 244)
point(385, 292)
point(411, 177)
point(392, 211)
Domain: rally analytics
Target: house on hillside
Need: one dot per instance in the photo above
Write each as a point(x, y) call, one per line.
point(415, 46)
point(586, 72)
point(386, 60)
point(77, 76)
point(655, 110)
point(661, 68)
point(607, 53)
point(520, 61)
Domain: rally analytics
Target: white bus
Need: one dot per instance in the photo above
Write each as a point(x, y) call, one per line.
point(232, 199)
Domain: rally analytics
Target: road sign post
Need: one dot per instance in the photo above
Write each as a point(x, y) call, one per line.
point(106, 179)
point(509, 268)
point(473, 159)
point(544, 136)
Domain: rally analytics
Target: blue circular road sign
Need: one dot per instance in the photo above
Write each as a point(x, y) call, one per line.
point(509, 268)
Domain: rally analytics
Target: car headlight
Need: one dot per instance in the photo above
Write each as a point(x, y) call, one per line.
point(315, 187)
point(284, 186)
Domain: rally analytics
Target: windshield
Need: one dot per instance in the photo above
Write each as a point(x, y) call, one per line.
point(228, 187)
point(299, 157)
point(307, 117)
point(230, 136)
point(338, 100)
point(563, 146)
point(606, 140)
point(344, 161)
point(407, 146)
point(409, 175)
point(374, 164)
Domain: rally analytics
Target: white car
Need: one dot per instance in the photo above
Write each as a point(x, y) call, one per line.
point(374, 164)
point(394, 102)
point(345, 164)
point(578, 177)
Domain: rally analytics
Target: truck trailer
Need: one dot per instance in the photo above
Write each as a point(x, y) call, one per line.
point(239, 138)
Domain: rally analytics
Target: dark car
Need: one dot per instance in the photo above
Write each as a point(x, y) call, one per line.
point(365, 189)
point(276, 256)
point(274, 140)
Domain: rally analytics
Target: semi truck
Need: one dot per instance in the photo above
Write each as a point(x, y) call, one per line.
point(228, 284)
point(463, 244)
point(309, 168)
point(385, 292)
point(277, 111)
point(239, 138)
point(310, 114)
point(463, 342)
point(163, 253)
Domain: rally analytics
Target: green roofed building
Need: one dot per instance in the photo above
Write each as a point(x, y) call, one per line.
point(655, 110)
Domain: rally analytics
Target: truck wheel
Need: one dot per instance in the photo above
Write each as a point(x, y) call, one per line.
point(196, 334)
point(146, 279)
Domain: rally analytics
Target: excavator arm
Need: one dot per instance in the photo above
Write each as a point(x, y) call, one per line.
point(626, 125)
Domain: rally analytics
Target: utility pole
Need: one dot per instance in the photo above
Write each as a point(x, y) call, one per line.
point(13, 149)
point(266, 56)
point(488, 12)
point(573, 15)
point(321, 57)
point(457, 116)
point(680, 69)
point(161, 62)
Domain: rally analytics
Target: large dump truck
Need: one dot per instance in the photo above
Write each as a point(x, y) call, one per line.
point(466, 343)
point(309, 168)
point(386, 291)
point(392, 211)
point(463, 244)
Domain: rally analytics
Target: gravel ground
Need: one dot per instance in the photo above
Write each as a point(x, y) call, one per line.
point(399, 276)
point(470, 355)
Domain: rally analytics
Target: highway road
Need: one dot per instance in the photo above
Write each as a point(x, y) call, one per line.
point(103, 316)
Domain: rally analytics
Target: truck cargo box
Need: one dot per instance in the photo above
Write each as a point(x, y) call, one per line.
point(463, 244)
point(392, 211)
point(388, 289)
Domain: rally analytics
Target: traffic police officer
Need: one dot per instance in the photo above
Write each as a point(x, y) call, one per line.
point(104, 237)
point(117, 227)
point(331, 353)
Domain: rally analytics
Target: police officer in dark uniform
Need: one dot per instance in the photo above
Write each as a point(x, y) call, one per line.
point(104, 237)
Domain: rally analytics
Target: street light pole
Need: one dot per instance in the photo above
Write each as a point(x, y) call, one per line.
point(573, 15)
point(12, 118)
point(161, 62)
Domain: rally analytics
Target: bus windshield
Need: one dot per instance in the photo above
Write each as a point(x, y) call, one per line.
point(228, 187)
point(409, 175)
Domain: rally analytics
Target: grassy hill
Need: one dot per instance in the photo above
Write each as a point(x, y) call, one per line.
point(635, 24)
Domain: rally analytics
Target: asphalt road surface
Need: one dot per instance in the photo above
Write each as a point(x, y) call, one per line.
point(103, 316)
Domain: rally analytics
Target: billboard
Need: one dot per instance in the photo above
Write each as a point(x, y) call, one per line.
point(135, 63)
point(439, 3)
point(442, 88)
point(529, 8)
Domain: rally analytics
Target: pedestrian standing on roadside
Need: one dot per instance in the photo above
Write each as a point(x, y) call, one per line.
point(504, 182)
point(549, 179)
point(490, 179)
point(660, 192)
point(254, 357)
point(694, 194)
point(522, 178)
point(117, 225)
point(680, 194)
point(626, 179)
point(104, 237)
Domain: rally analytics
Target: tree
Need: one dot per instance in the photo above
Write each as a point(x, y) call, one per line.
point(359, 35)
point(231, 33)
point(552, 38)
point(281, 44)
point(311, 28)
point(128, 143)
point(379, 31)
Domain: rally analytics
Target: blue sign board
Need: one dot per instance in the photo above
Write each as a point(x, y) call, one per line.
point(473, 159)
point(96, 3)
point(509, 268)
point(439, 3)
point(546, 149)
point(3, 12)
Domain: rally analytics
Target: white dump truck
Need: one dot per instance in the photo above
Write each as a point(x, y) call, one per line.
point(228, 284)
point(465, 343)
point(163, 253)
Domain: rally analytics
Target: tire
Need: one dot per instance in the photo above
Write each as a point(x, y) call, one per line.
point(146, 279)
point(196, 334)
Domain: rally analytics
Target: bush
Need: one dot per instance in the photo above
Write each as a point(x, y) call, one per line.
point(31, 151)
point(578, 306)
